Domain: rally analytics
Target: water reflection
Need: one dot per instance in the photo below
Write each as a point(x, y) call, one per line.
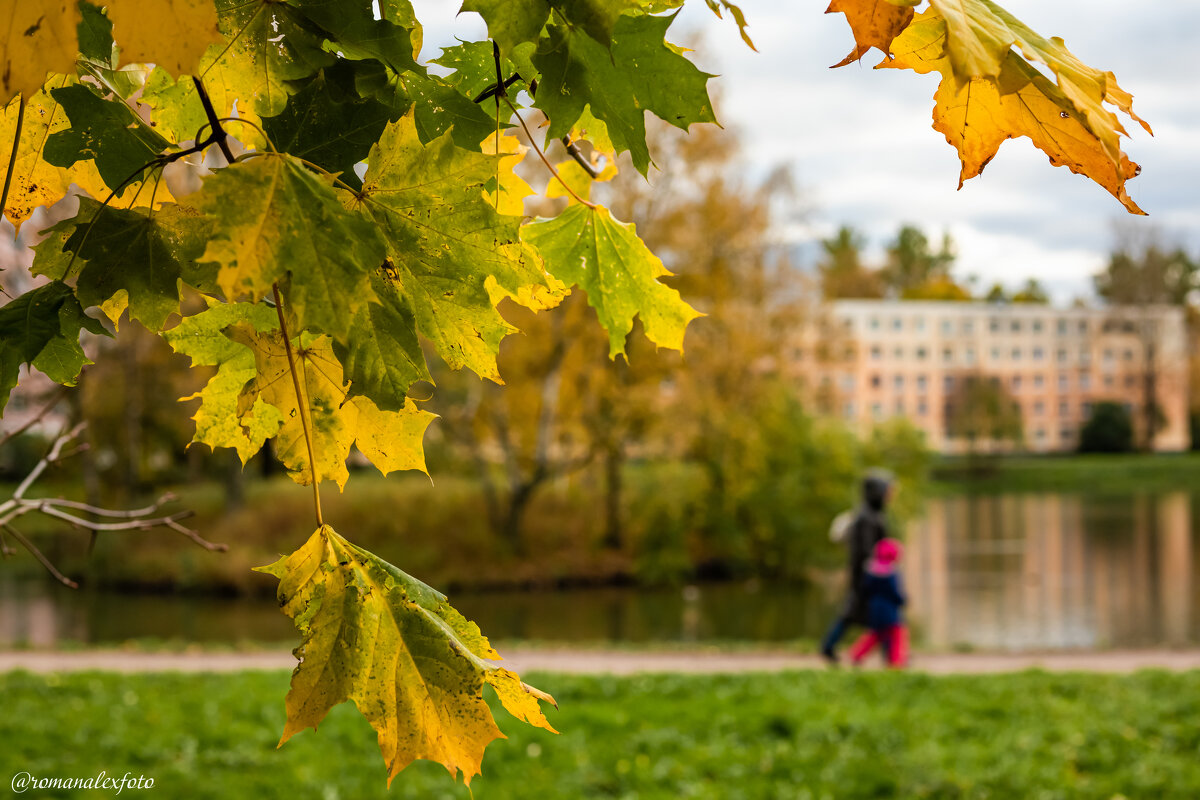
point(1029, 571)
point(1037, 571)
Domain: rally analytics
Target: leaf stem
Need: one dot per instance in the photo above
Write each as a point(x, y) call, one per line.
point(301, 404)
point(545, 160)
point(12, 158)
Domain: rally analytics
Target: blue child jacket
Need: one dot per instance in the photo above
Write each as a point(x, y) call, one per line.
point(885, 598)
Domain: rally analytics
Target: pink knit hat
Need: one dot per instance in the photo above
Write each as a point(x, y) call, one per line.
point(887, 553)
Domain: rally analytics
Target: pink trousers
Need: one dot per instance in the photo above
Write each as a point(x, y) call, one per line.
point(895, 640)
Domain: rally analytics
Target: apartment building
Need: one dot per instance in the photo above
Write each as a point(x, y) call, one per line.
point(870, 360)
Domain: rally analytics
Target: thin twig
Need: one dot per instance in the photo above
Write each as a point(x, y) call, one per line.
point(28, 545)
point(5, 550)
point(50, 458)
point(545, 160)
point(55, 399)
point(195, 537)
point(219, 136)
point(132, 513)
point(301, 404)
point(577, 154)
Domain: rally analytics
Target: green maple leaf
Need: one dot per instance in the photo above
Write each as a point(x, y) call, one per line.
point(514, 22)
point(176, 108)
point(511, 22)
point(145, 254)
point(329, 124)
point(41, 328)
point(642, 73)
point(274, 219)
point(474, 66)
point(269, 44)
point(353, 32)
point(104, 131)
point(391, 440)
point(218, 423)
point(383, 357)
point(411, 663)
point(446, 243)
point(588, 248)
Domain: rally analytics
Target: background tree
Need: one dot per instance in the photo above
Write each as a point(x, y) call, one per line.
point(843, 273)
point(981, 411)
point(1108, 429)
point(1031, 292)
point(1143, 272)
point(912, 263)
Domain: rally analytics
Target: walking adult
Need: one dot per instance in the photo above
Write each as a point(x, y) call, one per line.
point(867, 530)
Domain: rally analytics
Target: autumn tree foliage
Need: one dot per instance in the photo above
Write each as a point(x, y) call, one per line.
point(287, 193)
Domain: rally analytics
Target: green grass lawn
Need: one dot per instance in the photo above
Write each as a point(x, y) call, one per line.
point(1132, 472)
point(799, 735)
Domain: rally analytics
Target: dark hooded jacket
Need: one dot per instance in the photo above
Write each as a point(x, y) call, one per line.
point(870, 526)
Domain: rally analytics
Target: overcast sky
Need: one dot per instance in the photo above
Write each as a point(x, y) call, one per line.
point(860, 145)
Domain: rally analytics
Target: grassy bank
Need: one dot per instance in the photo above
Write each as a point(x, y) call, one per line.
point(802, 735)
point(1134, 472)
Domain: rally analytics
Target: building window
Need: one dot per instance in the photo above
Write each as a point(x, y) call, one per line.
point(1016, 354)
point(877, 410)
point(1016, 326)
point(1085, 356)
point(898, 383)
point(1037, 326)
point(919, 323)
point(1038, 381)
point(876, 382)
point(1064, 382)
point(1108, 355)
point(876, 353)
point(1129, 355)
point(968, 325)
point(1083, 326)
point(899, 408)
point(848, 410)
point(1108, 381)
point(921, 383)
point(898, 353)
point(921, 353)
point(1130, 381)
point(948, 384)
point(970, 355)
point(1062, 355)
point(994, 325)
point(1016, 383)
point(1062, 327)
point(873, 323)
point(995, 354)
point(798, 354)
point(1066, 433)
point(1039, 408)
point(1085, 381)
point(922, 409)
point(947, 354)
point(1064, 410)
point(897, 324)
point(947, 326)
point(1038, 354)
point(1040, 434)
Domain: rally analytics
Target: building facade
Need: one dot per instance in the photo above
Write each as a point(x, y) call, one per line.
point(870, 360)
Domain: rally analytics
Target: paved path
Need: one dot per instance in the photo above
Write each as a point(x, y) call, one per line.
point(619, 662)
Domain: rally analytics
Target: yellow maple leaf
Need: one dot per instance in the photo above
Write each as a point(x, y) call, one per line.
point(390, 439)
point(1011, 98)
point(411, 663)
point(170, 33)
point(37, 37)
point(875, 23)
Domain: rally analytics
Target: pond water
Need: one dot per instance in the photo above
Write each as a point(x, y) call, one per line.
point(1018, 571)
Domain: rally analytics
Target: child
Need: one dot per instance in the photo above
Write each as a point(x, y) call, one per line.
point(884, 598)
